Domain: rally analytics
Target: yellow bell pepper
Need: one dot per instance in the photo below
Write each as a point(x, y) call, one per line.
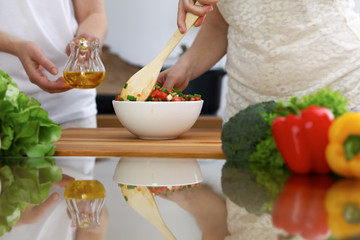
point(343, 149)
point(342, 203)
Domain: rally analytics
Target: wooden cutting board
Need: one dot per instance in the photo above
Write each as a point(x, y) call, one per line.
point(118, 142)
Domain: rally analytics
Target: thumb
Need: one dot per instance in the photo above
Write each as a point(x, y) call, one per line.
point(41, 209)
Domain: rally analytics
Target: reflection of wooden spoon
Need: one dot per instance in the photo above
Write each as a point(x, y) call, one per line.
point(142, 82)
point(143, 202)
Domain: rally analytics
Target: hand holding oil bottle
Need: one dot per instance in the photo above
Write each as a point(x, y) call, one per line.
point(84, 68)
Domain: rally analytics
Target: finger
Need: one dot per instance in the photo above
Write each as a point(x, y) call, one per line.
point(46, 64)
point(163, 77)
point(59, 85)
point(199, 21)
point(194, 9)
point(169, 83)
point(40, 210)
point(64, 181)
point(51, 86)
point(87, 36)
point(68, 213)
point(198, 10)
point(208, 2)
point(181, 18)
point(68, 50)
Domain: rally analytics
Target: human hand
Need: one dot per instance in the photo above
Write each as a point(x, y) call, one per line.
point(192, 200)
point(95, 233)
point(207, 207)
point(35, 63)
point(88, 37)
point(175, 77)
point(189, 6)
point(32, 214)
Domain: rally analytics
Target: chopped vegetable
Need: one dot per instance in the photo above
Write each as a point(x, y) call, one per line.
point(130, 98)
point(166, 189)
point(125, 85)
point(162, 94)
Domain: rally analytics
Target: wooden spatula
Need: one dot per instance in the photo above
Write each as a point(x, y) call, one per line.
point(143, 202)
point(141, 84)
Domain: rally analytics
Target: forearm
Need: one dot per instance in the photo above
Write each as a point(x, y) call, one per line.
point(8, 43)
point(212, 216)
point(91, 16)
point(95, 25)
point(209, 46)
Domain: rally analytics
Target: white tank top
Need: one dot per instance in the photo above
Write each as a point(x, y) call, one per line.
point(51, 25)
point(283, 48)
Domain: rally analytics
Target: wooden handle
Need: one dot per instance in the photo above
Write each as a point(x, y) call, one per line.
point(143, 202)
point(177, 36)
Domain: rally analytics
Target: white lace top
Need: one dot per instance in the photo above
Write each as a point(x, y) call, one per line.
point(283, 48)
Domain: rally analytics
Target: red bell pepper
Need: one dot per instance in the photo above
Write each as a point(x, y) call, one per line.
point(300, 207)
point(302, 139)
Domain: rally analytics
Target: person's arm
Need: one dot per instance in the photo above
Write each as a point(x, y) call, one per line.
point(207, 207)
point(208, 48)
point(34, 62)
point(189, 6)
point(91, 16)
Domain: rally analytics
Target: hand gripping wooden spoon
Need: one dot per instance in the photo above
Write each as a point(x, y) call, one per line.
point(143, 202)
point(141, 84)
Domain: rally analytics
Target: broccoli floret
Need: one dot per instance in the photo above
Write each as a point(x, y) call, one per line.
point(244, 130)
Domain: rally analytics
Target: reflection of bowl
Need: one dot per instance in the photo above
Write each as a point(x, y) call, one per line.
point(157, 120)
point(157, 171)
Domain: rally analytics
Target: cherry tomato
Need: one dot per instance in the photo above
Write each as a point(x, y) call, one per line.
point(177, 99)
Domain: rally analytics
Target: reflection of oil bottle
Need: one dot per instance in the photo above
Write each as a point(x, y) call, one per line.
point(84, 68)
point(85, 200)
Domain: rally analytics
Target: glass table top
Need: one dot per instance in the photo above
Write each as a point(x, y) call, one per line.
point(119, 198)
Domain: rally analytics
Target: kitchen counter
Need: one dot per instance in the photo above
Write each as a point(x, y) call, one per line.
point(245, 202)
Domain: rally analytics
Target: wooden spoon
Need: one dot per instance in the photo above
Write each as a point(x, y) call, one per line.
point(141, 84)
point(143, 202)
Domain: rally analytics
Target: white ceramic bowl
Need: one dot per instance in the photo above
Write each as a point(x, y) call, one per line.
point(157, 171)
point(157, 120)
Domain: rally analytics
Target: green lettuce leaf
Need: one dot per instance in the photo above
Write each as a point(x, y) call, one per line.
point(25, 128)
point(24, 182)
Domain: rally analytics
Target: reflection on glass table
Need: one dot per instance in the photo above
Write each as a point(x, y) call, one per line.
point(24, 184)
point(32, 204)
point(247, 202)
point(273, 203)
point(140, 178)
point(85, 200)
